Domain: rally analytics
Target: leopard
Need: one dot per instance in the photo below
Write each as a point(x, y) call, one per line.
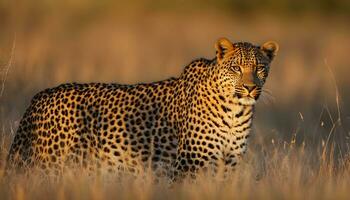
point(187, 123)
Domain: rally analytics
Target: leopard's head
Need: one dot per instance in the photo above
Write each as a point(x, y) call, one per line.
point(244, 67)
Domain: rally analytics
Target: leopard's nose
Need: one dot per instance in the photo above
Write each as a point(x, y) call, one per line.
point(249, 87)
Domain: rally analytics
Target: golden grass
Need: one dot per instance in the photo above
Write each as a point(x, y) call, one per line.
point(300, 144)
point(276, 171)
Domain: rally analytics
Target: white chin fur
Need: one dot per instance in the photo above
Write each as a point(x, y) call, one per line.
point(247, 101)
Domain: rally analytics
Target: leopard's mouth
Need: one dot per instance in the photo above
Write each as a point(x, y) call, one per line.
point(248, 100)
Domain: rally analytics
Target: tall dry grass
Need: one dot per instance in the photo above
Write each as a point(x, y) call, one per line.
point(300, 144)
point(275, 171)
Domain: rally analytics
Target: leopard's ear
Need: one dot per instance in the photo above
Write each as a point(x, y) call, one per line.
point(223, 46)
point(270, 49)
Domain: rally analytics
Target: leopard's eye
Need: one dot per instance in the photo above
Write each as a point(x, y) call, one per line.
point(260, 68)
point(236, 68)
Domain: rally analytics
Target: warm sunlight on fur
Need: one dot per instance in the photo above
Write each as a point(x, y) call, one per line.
point(299, 146)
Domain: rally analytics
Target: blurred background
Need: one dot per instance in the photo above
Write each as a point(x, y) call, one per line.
point(45, 43)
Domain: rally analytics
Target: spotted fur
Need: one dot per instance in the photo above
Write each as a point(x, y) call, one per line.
point(190, 122)
point(218, 111)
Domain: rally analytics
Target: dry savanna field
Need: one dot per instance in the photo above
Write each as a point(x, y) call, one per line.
point(300, 145)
